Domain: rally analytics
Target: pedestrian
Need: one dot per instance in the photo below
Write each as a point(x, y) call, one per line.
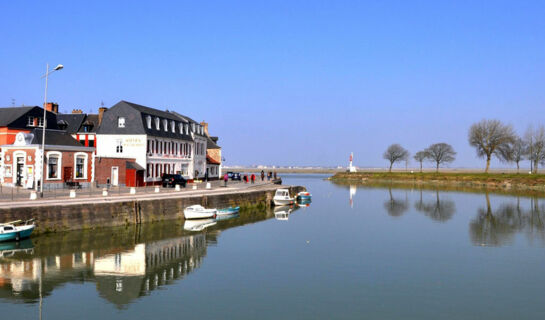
point(253, 178)
point(262, 175)
point(269, 176)
point(245, 178)
point(225, 178)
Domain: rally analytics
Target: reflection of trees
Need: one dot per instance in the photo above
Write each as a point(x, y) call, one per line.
point(498, 227)
point(396, 207)
point(438, 210)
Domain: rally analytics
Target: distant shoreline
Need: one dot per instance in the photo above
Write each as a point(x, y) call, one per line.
point(375, 170)
point(490, 181)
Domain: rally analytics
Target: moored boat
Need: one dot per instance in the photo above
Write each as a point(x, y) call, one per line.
point(282, 197)
point(16, 230)
point(304, 196)
point(228, 211)
point(199, 212)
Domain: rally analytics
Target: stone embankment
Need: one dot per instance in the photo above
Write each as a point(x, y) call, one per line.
point(85, 213)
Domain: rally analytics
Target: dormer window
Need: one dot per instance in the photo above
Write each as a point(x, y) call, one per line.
point(121, 122)
point(186, 128)
point(148, 121)
point(173, 126)
point(157, 123)
point(40, 122)
point(193, 127)
point(165, 124)
point(30, 122)
point(181, 127)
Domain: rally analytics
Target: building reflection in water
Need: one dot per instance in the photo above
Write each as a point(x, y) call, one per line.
point(124, 263)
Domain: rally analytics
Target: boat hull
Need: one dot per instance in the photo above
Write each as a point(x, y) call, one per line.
point(228, 211)
point(283, 202)
point(21, 233)
point(199, 215)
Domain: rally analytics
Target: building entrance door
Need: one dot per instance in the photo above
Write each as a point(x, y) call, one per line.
point(20, 170)
point(115, 176)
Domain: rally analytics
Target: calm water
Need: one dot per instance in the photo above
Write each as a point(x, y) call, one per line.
point(355, 252)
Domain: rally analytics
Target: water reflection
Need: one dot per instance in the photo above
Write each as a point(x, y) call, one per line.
point(497, 227)
point(124, 263)
point(440, 210)
point(282, 213)
point(396, 207)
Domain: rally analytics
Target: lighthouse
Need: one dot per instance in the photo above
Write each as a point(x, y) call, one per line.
point(351, 168)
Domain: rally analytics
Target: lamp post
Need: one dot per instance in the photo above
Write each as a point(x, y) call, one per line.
point(42, 158)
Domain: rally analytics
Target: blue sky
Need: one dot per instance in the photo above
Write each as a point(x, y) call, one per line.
point(289, 82)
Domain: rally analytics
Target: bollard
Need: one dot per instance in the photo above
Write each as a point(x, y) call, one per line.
point(104, 192)
point(208, 185)
point(33, 195)
point(157, 189)
point(72, 193)
point(177, 187)
point(133, 190)
point(194, 187)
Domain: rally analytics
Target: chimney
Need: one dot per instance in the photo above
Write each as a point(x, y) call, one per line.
point(77, 111)
point(205, 125)
point(101, 114)
point(52, 107)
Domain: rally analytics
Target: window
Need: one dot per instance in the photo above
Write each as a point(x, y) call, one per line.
point(173, 126)
point(121, 122)
point(81, 166)
point(181, 127)
point(40, 122)
point(53, 166)
point(186, 127)
point(30, 122)
point(165, 124)
point(148, 121)
point(148, 143)
point(118, 146)
point(157, 124)
point(193, 127)
point(91, 143)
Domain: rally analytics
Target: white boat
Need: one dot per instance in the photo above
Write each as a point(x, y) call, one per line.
point(199, 212)
point(282, 197)
point(198, 225)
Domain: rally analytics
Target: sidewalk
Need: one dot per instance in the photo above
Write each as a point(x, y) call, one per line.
point(94, 195)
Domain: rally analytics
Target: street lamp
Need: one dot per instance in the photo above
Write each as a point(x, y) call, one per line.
point(42, 173)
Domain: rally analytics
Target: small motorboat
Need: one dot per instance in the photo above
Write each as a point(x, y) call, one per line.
point(16, 230)
point(199, 212)
point(198, 225)
point(228, 211)
point(304, 196)
point(282, 197)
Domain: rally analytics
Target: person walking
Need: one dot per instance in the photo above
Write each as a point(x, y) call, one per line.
point(225, 178)
point(245, 178)
point(262, 175)
point(253, 178)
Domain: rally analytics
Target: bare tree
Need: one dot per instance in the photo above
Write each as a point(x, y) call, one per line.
point(518, 151)
point(395, 153)
point(420, 156)
point(440, 153)
point(535, 140)
point(491, 137)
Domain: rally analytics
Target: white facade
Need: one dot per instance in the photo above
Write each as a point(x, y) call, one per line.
point(156, 154)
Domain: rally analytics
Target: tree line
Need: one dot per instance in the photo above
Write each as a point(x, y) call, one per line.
point(490, 138)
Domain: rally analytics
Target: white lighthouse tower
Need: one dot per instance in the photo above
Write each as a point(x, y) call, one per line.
point(351, 168)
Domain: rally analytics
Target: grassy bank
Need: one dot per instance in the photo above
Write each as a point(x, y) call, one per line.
point(534, 182)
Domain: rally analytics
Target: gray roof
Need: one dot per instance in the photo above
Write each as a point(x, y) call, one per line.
point(76, 121)
point(17, 117)
point(211, 144)
point(135, 121)
point(55, 137)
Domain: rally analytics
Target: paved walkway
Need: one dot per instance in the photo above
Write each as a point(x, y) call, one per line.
point(84, 196)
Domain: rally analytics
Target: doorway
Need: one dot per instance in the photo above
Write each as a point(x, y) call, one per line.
point(20, 170)
point(115, 176)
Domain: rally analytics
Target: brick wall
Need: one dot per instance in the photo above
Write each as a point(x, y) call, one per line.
point(103, 169)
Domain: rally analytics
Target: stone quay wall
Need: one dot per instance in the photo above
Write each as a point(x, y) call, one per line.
point(54, 218)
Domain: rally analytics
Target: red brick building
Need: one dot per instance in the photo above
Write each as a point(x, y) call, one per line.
point(66, 160)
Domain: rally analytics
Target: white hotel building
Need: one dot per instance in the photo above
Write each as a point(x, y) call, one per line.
point(159, 141)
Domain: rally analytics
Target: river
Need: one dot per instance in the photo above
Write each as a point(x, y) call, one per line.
point(355, 252)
